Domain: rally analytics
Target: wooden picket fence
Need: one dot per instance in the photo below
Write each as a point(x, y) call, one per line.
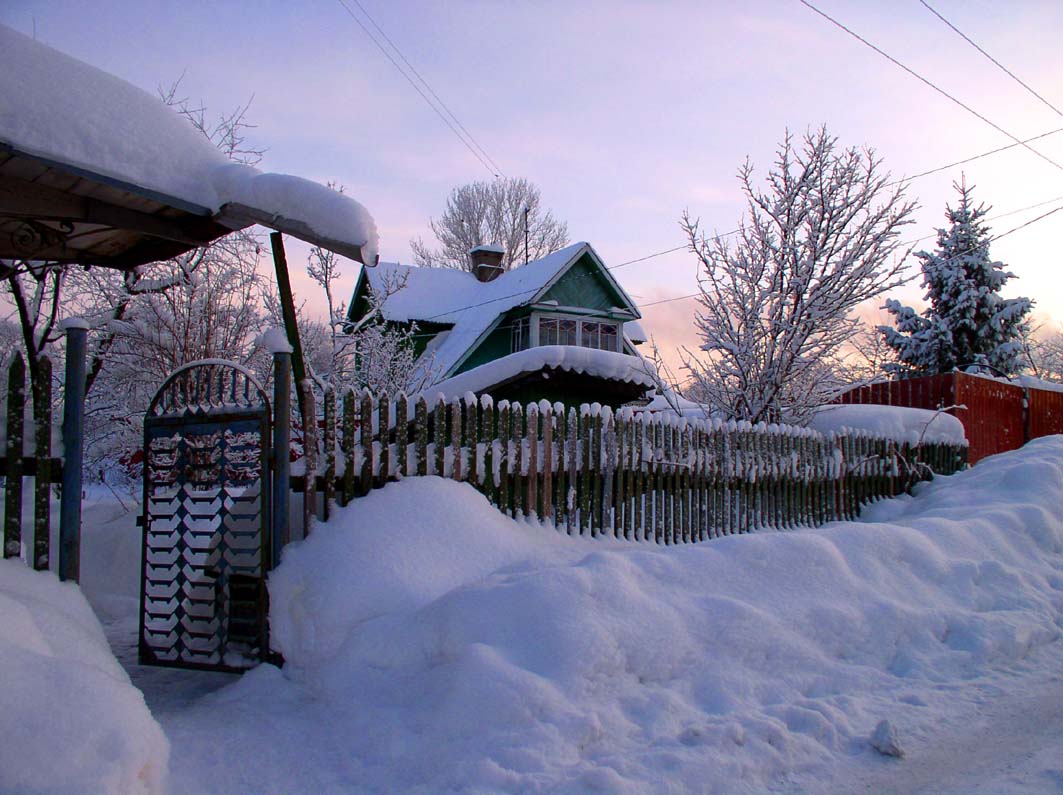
point(626, 474)
point(15, 465)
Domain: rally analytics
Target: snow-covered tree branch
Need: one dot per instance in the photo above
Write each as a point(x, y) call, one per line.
point(776, 303)
point(492, 213)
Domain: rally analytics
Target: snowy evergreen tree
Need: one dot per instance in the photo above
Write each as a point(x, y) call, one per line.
point(967, 321)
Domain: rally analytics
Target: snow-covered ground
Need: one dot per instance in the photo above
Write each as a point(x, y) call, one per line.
point(435, 646)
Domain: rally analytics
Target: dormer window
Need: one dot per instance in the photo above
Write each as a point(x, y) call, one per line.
point(601, 335)
point(598, 334)
point(558, 331)
point(520, 336)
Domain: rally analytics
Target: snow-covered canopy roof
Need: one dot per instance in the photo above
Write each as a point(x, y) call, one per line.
point(606, 365)
point(67, 116)
point(457, 298)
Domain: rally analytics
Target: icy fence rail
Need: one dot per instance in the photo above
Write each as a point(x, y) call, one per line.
point(597, 472)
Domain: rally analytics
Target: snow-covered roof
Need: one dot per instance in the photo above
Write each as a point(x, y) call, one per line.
point(72, 114)
point(444, 295)
point(633, 331)
point(566, 358)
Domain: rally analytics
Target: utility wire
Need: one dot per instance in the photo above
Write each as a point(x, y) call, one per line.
point(418, 89)
point(998, 64)
point(927, 82)
point(431, 91)
point(975, 157)
point(991, 240)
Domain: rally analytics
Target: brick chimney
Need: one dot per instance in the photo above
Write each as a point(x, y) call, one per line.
point(487, 262)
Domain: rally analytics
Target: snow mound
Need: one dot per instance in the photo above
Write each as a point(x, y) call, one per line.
point(459, 650)
point(893, 422)
point(70, 720)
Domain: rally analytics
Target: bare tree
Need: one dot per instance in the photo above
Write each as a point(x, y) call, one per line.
point(1042, 353)
point(492, 213)
point(775, 304)
point(387, 356)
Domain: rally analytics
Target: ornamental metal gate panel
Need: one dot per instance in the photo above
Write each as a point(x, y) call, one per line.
point(206, 520)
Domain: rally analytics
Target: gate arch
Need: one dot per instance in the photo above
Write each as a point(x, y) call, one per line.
point(206, 547)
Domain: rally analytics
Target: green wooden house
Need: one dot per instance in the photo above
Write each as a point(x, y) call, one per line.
point(559, 328)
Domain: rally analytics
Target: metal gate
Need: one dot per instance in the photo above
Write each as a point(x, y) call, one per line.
point(206, 520)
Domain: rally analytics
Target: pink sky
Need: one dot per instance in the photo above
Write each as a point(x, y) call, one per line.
point(624, 113)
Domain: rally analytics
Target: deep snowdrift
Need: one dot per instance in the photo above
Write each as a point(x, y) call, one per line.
point(70, 721)
point(458, 650)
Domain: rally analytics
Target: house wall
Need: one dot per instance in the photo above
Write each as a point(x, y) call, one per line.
point(496, 345)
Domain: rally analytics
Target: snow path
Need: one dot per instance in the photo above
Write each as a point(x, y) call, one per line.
point(1001, 733)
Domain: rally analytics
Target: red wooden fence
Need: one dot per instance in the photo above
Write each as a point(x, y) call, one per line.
point(997, 416)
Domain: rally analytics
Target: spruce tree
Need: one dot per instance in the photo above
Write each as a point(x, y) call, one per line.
point(967, 322)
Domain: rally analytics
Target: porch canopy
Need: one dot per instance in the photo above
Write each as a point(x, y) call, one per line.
point(95, 171)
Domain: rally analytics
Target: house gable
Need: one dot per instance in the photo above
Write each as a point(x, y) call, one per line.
point(584, 286)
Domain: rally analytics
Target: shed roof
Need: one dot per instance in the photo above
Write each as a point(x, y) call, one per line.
point(79, 146)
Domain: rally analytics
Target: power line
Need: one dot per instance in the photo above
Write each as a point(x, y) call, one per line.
point(431, 91)
point(999, 65)
point(927, 82)
point(418, 89)
point(975, 157)
point(991, 240)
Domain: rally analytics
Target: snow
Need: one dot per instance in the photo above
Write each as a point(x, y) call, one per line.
point(275, 340)
point(434, 645)
point(70, 719)
point(451, 296)
point(455, 649)
point(893, 422)
point(635, 333)
point(68, 323)
point(59, 108)
point(602, 364)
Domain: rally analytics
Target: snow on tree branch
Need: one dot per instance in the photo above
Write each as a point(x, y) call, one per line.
point(819, 239)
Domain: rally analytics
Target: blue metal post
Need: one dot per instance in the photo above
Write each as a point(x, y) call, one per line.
point(282, 434)
point(73, 443)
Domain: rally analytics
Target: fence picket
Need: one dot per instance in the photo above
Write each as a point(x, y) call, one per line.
point(42, 484)
point(16, 406)
point(439, 435)
point(531, 492)
point(548, 462)
point(593, 471)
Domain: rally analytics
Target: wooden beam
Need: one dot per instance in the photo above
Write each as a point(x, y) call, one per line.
point(21, 199)
point(291, 324)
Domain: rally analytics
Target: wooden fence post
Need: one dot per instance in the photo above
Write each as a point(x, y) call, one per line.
point(73, 450)
point(16, 407)
point(42, 485)
point(282, 438)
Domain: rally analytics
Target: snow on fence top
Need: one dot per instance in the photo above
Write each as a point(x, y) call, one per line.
point(55, 107)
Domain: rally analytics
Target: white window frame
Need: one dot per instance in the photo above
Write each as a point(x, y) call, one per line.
point(580, 320)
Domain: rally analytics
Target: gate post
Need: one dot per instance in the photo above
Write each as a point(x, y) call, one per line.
point(73, 442)
point(281, 533)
